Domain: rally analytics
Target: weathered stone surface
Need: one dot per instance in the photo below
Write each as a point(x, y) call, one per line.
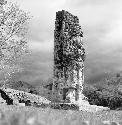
point(17, 97)
point(69, 55)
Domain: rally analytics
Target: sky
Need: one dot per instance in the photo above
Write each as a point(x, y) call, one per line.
point(101, 22)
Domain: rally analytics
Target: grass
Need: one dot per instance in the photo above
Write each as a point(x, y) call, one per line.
point(15, 115)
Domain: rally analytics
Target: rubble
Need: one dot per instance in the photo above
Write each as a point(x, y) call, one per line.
point(20, 97)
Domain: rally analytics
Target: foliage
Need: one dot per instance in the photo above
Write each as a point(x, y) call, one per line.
point(105, 94)
point(13, 42)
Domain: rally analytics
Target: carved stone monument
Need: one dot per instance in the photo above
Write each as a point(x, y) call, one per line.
point(69, 55)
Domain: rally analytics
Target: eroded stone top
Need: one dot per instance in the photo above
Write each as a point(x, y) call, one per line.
point(67, 23)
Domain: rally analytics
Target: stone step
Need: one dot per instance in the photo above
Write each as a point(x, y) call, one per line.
point(85, 106)
point(92, 108)
point(82, 107)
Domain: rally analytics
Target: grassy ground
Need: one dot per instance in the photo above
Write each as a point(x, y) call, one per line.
point(14, 115)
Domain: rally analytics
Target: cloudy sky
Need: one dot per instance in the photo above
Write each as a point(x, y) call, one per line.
point(101, 22)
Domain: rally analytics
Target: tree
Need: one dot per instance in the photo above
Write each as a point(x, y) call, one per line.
point(13, 42)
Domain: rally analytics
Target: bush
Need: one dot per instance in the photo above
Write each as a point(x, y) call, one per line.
point(104, 98)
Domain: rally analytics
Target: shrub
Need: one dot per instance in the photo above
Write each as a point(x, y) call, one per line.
point(104, 98)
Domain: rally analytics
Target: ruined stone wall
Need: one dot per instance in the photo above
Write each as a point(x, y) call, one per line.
point(17, 95)
point(69, 56)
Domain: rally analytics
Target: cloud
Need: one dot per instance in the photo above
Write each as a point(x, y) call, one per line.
point(102, 27)
point(37, 67)
point(45, 46)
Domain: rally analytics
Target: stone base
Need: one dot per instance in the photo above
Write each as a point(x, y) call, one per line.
point(64, 106)
point(85, 106)
point(92, 108)
point(81, 105)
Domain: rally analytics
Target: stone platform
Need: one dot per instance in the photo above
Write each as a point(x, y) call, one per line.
point(85, 106)
point(92, 108)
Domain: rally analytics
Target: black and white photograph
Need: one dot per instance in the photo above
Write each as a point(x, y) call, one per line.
point(60, 62)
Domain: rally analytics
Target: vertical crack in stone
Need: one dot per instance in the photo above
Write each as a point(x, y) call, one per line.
point(69, 55)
